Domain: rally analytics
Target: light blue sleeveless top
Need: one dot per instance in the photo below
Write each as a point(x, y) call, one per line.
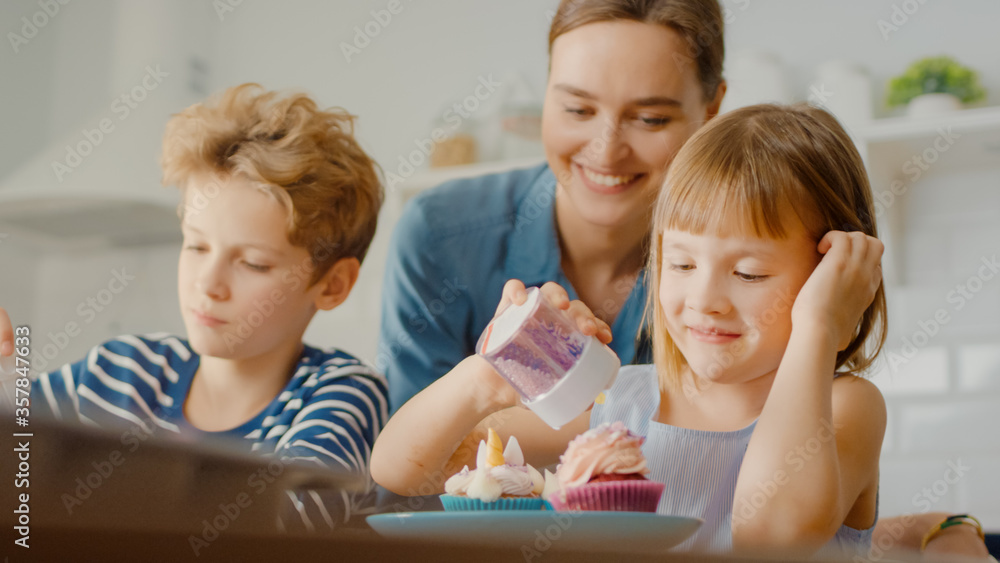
point(699, 467)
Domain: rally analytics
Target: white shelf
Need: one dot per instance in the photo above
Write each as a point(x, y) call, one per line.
point(907, 128)
point(955, 141)
point(64, 222)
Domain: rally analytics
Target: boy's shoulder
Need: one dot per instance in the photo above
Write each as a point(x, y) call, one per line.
point(154, 369)
point(158, 349)
point(323, 364)
point(163, 350)
point(333, 374)
point(159, 344)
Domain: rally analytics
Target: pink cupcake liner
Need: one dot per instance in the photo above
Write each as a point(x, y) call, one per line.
point(458, 503)
point(620, 496)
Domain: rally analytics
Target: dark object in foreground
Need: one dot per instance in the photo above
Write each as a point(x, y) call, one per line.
point(125, 480)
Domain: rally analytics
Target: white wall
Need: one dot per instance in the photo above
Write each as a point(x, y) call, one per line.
point(427, 55)
point(27, 88)
point(423, 58)
point(943, 403)
point(123, 291)
point(941, 364)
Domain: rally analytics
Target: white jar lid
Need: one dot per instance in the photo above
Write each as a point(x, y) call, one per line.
point(595, 372)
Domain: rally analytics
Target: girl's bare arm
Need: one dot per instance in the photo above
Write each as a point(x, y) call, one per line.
point(437, 431)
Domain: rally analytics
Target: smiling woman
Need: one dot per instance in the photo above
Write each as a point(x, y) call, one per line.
point(629, 82)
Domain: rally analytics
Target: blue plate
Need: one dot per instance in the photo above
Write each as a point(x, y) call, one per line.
point(622, 531)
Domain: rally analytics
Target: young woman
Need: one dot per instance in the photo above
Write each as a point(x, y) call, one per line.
point(629, 82)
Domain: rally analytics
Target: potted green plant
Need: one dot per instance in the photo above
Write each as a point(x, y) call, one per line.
point(935, 85)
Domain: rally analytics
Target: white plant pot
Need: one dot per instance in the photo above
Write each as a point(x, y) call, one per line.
point(844, 88)
point(755, 77)
point(926, 105)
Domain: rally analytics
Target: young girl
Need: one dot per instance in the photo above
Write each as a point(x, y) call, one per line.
point(766, 304)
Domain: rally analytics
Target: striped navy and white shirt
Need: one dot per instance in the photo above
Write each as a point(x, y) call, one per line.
point(330, 411)
point(699, 467)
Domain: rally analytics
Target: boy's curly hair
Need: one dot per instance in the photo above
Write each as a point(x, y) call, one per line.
point(307, 158)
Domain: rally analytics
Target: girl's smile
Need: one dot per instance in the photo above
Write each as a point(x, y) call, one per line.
point(712, 335)
point(725, 298)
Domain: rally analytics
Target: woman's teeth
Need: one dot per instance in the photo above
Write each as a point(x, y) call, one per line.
point(606, 180)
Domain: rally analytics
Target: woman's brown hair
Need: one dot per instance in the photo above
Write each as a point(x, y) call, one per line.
point(698, 22)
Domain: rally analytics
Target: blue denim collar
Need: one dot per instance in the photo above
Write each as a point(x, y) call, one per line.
point(528, 259)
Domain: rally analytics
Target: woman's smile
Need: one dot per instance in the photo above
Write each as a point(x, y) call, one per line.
point(605, 183)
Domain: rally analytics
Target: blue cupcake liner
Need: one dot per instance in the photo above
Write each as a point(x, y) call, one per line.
point(458, 503)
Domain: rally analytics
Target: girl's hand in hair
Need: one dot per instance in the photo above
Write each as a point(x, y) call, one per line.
point(842, 286)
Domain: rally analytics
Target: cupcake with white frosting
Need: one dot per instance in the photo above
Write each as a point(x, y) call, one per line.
point(500, 481)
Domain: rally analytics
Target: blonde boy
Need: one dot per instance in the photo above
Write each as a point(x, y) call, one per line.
point(279, 206)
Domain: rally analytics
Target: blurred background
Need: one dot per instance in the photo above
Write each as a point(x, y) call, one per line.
point(89, 238)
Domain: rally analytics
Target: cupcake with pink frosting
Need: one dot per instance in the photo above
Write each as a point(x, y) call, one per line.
point(603, 469)
point(500, 481)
